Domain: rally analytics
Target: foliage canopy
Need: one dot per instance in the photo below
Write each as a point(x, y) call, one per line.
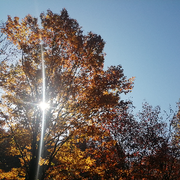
point(81, 95)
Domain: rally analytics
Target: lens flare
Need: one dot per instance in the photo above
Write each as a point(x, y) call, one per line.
point(43, 105)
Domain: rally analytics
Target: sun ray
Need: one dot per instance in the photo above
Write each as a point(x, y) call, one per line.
point(43, 105)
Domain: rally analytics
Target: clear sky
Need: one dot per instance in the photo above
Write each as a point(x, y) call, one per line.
point(141, 35)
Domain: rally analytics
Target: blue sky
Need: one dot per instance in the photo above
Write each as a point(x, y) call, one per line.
point(143, 36)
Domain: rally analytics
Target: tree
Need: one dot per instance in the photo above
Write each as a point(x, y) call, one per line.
point(176, 127)
point(156, 156)
point(64, 68)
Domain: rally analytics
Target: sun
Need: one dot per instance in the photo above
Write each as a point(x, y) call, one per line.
point(43, 105)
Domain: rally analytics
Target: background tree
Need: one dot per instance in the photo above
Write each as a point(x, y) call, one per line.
point(176, 127)
point(81, 95)
point(156, 157)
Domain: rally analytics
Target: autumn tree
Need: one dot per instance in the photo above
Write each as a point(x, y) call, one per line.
point(63, 67)
point(154, 156)
point(176, 126)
